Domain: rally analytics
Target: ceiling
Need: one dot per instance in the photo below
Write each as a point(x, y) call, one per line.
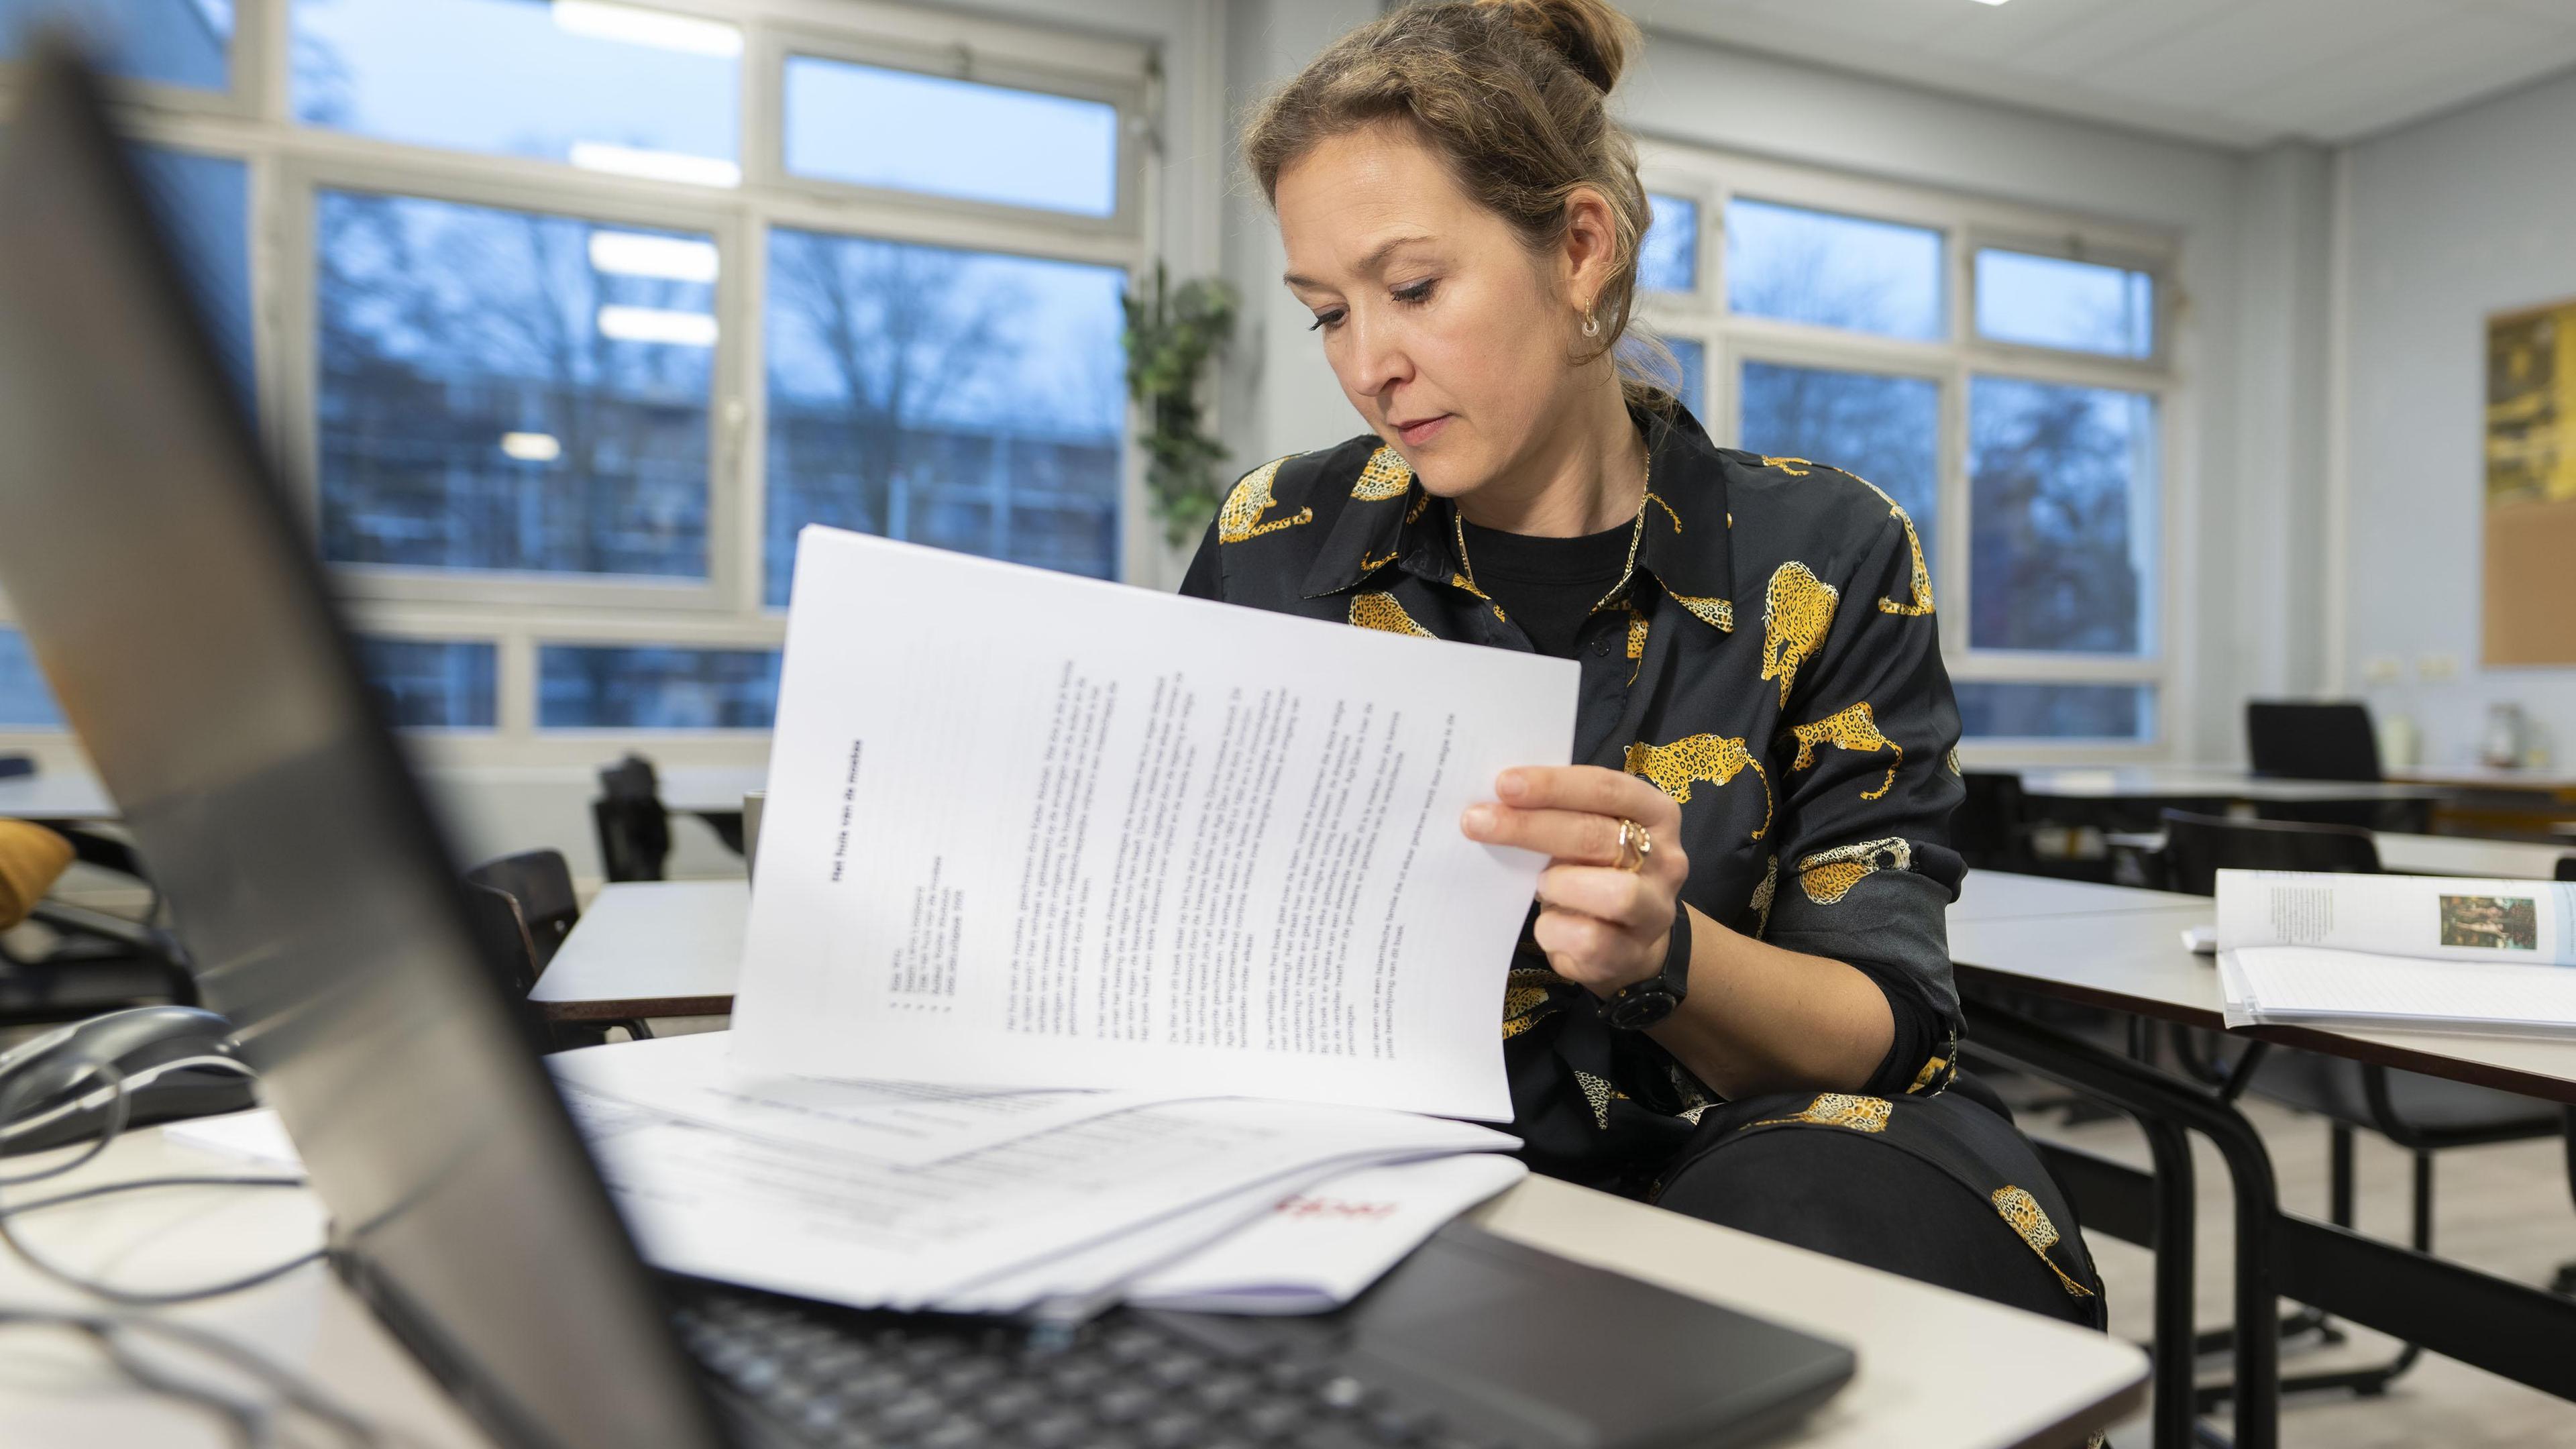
point(2236, 72)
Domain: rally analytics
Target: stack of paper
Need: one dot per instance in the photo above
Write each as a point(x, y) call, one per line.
point(2424, 953)
point(883, 1195)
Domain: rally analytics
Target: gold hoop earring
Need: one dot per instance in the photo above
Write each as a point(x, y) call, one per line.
point(1591, 324)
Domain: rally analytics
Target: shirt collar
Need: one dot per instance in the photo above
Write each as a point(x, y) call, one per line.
point(1391, 519)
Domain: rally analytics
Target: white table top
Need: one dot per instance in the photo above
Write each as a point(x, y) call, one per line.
point(2169, 782)
point(55, 795)
point(1937, 1370)
point(2487, 777)
point(1996, 895)
point(710, 787)
point(652, 941)
point(2464, 855)
point(2133, 959)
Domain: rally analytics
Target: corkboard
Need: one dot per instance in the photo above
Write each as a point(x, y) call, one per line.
point(2531, 487)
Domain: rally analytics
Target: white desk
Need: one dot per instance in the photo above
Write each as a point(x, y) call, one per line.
point(710, 789)
point(2202, 782)
point(649, 948)
point(60, 795)
point(1937, 1370)
point(2467, 855)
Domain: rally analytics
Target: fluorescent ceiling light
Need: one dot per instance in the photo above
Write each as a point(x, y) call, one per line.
point(658, 324)
point(1981, 2)
point(531, 447)
point(633, 254)
point(655, 165)
point(636, 25)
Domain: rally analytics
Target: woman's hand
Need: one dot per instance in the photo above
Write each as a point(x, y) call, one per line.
point(1601, 926)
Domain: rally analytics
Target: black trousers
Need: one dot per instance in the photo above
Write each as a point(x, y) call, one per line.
point(1942, 1189)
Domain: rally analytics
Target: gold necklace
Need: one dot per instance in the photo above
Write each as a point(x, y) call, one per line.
point(1636, 535)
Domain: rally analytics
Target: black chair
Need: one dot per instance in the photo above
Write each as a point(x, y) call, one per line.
point(2422, 1114)
point(523, 907)
point(2301, 741)
point(14, 766)
point(634, 829)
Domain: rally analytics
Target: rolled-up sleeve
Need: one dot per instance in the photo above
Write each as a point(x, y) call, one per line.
point(1871, 779)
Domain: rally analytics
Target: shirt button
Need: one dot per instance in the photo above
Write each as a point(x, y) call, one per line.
point(1601, 648)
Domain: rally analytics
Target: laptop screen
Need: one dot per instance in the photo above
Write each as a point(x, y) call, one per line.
point(169, 591)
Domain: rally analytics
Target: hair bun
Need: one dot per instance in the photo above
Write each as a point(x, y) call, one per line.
point(1592, 35)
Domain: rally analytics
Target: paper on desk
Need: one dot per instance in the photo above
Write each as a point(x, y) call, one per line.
point(258, 1135)
point(1028, 829)
point(2448, 918)
point(1320, 1249)
point(845, 1229)
point(2311, 985)
point(703, 1078)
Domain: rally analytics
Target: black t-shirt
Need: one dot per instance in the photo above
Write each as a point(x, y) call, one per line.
point(1548, 585)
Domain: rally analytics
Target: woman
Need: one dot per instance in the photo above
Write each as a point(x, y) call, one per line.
point(1733, 996)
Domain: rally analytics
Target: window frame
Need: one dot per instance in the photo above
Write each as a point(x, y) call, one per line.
point(520, 612)
point(1716, 177)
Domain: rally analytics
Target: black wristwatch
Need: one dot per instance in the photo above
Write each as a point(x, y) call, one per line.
point(1640, 1004)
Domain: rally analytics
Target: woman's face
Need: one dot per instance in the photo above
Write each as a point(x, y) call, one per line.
point(1449, 336)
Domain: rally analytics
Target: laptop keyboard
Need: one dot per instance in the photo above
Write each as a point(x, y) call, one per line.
point(846, 1380)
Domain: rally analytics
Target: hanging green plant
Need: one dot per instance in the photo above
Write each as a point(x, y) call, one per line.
point(1172, 335)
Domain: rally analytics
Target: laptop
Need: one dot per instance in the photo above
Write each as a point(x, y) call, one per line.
point(172, 594)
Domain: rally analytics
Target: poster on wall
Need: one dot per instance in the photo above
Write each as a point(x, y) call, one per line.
point(2531, 486)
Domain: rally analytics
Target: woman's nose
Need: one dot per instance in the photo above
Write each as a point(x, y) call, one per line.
point(1377, 361)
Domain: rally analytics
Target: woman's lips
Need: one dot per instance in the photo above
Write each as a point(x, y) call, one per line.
point(1416, 434)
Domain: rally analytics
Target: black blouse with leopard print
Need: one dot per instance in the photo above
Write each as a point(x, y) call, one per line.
point(1770, 660)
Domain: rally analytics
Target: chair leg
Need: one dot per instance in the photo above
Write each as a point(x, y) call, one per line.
point(2339, 1176)
point(2367, 1382)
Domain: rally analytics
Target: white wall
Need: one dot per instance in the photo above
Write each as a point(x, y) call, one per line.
point(2449, 220)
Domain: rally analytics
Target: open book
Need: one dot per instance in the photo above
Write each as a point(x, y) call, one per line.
point(2492, 957)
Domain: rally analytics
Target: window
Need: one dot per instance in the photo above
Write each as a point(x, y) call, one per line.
point(1668, 255)
point(1796, 265)
point(433, 684)
point(872, 126)
point(609, 687)
point(511, 390)
point(25, 702)
point(607, 87)
point(2053, 302)
point(2022, 430)
point(961, 399)
point(185, 43)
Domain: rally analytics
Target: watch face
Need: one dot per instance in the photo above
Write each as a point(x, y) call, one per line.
point(1641, 1006)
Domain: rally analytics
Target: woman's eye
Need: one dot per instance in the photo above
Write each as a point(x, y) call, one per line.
point(1415, 292)
point(1326, 319)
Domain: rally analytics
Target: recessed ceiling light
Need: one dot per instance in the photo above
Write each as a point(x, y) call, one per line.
point(1990, 2)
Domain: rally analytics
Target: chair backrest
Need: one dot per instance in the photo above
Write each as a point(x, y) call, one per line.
point(503, 934)
point(2566, 868)
point(2311, 741)
point(539, 885)
point(634, 829)
point(2200, 846)
point(13, 766)
point(1991, 827)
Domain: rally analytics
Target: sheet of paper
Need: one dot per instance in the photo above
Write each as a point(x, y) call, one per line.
point(1322, 1248)
point(703, 1078)
point(846, 1229)
point(258, 1135)
point(2312, 984)
point(2449, 918)
point(1028, 829)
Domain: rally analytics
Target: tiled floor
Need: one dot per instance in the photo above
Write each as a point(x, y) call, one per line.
point(2502, 1209)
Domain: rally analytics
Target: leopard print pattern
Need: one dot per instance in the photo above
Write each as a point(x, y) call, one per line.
point(1240, 518)
point(1381, 611)
point(1695, 759)
point(1797, 609)
point(1828, 875)
point(1855, 729)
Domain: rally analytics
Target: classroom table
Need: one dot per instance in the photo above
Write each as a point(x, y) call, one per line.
point(649, 948)
point(2149, 783)
point(2123, 951)
point(2401, 854)
point(63, 795)
point(1938, 1370)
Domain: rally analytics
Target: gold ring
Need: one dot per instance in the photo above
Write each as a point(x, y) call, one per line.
point(1634, 846)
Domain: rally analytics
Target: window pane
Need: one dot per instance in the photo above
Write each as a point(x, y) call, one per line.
point(2062, 492)
point(911, 132)
point(1668, 257)
point(25, 702)
point(961, 399)
point(509, 390)
point(1886, 429)
point(1694, 360)
point(582, 686)
point(2052, 302)
point(169, 42)
point(1833, 271)
point(433, 683)
point(2055, 711)
point(608, 87)
point(205, 204)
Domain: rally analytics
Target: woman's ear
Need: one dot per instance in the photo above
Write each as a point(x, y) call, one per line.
point(1589, 250)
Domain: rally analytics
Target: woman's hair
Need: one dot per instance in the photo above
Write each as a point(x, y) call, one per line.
point(1512, 96)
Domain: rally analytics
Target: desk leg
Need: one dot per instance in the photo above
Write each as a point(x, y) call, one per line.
point(2146, 1094)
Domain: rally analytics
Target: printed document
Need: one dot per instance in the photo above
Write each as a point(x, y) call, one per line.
point(1025, 829)
point(2429, 953)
